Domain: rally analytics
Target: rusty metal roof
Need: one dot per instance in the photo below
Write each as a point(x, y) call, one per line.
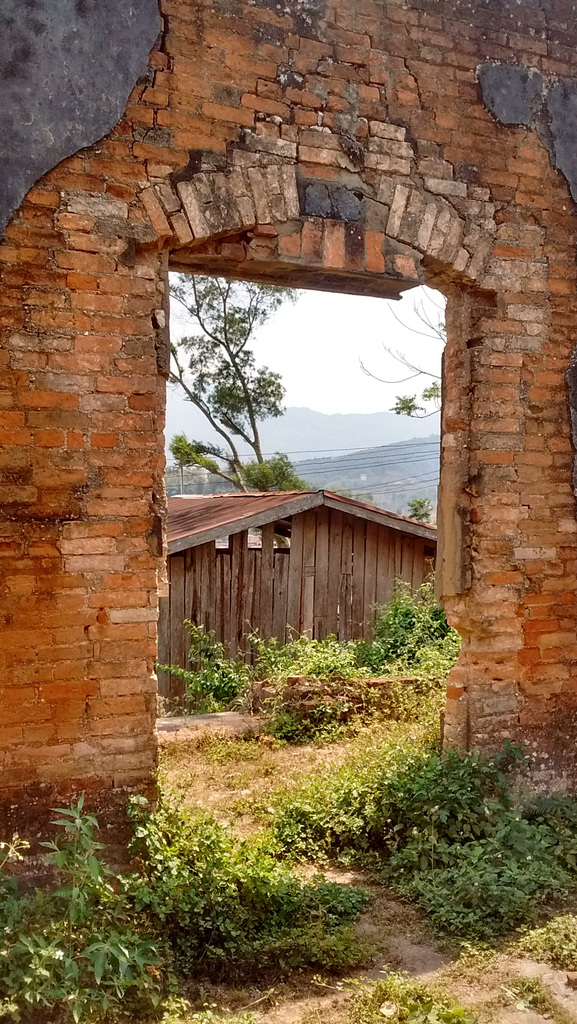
point(195, 519)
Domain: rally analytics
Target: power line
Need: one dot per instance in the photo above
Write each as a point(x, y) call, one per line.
point(397, 445)
point(342, 471)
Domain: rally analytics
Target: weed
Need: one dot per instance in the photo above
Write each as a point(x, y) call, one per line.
point(411, 635)
point(77, 950)
point(555, 942)
point(530, 994)
point(444, 829)
point(229, 904)
point(396, 999)
point(213, 679)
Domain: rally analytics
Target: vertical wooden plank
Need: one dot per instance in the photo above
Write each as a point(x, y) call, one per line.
point(371, 566)
point(188, 557)
point(228, 624)
point(266, 581)
point(407, 552)
point(163, 648)
point(358, 581)
point(256, 612)
point(295, 577)
point(280, 594)
point(320, 630)
point(346, 584)
point(177, 632)
point(309, 568)
point(396, 555)
point(239, 542)
point(418, 563)
point(385, 576)
point(245, 625)
point(208, 585)
point(334, 572)
point(218, 596)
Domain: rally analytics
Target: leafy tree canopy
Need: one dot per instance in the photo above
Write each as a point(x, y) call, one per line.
point(216, 369)
point(421, 509)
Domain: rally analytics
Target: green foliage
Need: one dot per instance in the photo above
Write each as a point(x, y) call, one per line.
point(202, 454)
point(420, 509)
point(274, 474)
point(396, 999)
point(412, 634)
point(408, 405)
point(226, 904)
point(411, 637)
point(445, 829)
point(77, 950)
point(555, 942)
point(213, 679)
point(316, 659)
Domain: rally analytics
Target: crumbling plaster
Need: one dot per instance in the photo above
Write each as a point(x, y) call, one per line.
point(67, 68)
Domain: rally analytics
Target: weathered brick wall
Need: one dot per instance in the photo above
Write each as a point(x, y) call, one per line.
point(342, 146)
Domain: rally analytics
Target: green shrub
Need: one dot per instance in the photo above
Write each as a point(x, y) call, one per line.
point(77, 952)
point(316, 659)
point(555, 942)
point(411, 633)
point(213, 680)
point(445, 829)
point(411, 636)
point(396, 999)
point(229, 904)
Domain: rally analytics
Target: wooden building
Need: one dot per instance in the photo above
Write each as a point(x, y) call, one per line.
point(283, 564)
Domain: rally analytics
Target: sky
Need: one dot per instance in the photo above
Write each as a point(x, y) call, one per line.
point(318, 344)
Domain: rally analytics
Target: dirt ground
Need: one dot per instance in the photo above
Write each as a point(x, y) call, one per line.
point(236, 778)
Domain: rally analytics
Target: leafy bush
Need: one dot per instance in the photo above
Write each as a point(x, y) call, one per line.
point(395, 998)
point(555, 942)
point(411, 637)
point(411, 633)
point(213, 679)
point(316, 659)
point(445, 829)
point(77, 951)
point(229, 904)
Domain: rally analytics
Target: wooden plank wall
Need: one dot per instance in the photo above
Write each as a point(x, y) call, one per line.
point(337, 571)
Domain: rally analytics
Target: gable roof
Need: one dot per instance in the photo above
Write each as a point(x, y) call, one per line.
point(196, 519)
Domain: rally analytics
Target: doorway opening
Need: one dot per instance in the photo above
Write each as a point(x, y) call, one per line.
point(330, 405)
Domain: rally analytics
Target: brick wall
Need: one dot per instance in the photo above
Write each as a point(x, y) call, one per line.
point(340, 146)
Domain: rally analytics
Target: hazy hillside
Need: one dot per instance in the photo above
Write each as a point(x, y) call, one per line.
point(305, 431)
point(388, 476)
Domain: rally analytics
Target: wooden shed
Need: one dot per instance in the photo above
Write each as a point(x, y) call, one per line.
point(283, 564)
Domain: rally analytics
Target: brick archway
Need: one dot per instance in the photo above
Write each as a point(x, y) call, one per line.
point(318, 146)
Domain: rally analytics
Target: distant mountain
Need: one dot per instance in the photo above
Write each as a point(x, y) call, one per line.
point(388, 476)
point(302, 432)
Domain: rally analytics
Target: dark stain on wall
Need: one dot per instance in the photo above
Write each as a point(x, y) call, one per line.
point(517, 95)
point(67, 68)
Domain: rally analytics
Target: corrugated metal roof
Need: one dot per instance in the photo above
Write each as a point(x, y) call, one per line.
point(195, 519)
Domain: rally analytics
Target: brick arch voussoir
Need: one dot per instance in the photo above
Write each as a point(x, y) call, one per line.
point(389, 229)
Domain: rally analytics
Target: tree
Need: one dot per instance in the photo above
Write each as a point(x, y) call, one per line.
point(275, 474)
point(420, 509)
point(216, 369)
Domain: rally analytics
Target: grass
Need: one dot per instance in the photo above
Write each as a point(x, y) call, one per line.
point(397, 998)
point(447, 830)
point(555, 942)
